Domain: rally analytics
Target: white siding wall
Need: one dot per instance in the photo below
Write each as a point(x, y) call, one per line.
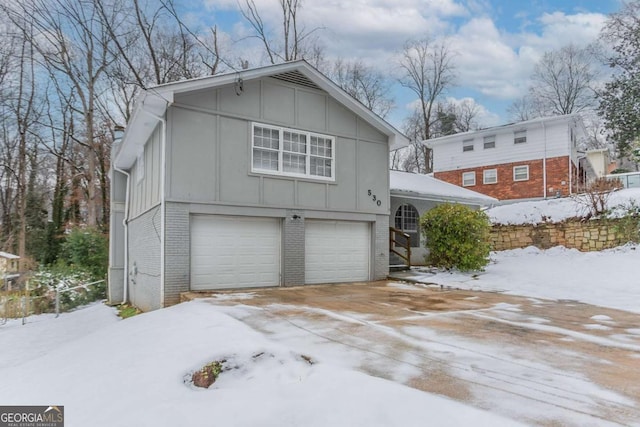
point(448, 154)
point(145, 193)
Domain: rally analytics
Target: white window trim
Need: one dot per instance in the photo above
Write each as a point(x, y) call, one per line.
point(308, 156)
point(467, 145)
point(469, 174)
point(484, 176)
point(522, 179)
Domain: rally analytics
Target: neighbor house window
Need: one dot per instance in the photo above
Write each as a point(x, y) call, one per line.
point(282, 151)
point(468, 179)
point(490, 176)
point(520, 137)
point(467, 145)
point(490, 141)
point(521, 173)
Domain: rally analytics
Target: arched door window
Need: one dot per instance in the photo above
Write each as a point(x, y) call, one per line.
point(407, 220)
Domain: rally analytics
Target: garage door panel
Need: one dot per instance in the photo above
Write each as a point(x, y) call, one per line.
point(234, 252)
point(336, 251)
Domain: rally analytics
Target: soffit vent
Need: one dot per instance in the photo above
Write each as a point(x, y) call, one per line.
point(296, 77)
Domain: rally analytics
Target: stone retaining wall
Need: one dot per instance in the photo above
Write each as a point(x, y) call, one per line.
point(591, 235)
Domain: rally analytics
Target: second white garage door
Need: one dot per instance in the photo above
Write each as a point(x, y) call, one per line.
point(234, 252)
point(336, 251)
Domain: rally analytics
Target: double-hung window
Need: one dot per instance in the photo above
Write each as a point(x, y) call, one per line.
point(294, 152)
point(521, 173)
point(321, 156)
point(489, 141)
point(467, 145)
point(282, 151)
point(520, 137)
point(468, 179)
point(490, 176)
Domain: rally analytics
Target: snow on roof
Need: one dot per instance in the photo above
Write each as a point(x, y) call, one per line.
point(8, 255)
point(504, 128)
point(428, 187)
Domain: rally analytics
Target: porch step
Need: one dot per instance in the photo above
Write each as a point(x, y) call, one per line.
point(398, 267)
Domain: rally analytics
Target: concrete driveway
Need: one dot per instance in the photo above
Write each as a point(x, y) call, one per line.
point(542, 362)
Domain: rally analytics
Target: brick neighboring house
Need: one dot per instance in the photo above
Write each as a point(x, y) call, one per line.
point(532, 159)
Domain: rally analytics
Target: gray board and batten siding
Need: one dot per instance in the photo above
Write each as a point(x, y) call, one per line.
point(208, 161)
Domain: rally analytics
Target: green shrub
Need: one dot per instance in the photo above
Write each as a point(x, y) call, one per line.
point(44, 282)
point(457, 237)
point(627, 221)
point(88, 249)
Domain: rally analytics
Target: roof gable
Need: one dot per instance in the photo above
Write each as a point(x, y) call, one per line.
point(152, 104)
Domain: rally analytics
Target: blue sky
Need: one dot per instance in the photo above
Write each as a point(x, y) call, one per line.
point(496, 42)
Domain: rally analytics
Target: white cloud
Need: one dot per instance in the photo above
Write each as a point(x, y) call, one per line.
point(558, 29)
point(485, 60)
point(498, 64)
point(493, 62)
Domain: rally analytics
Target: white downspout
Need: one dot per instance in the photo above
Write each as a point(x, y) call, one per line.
point(544, 161)
point(570, 171)
point(163, 141)
point(571, 147)
point(125, 224)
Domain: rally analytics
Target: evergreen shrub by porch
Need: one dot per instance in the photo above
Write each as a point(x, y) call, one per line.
point(457, 237)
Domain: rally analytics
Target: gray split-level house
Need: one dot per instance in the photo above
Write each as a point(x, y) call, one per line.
point(272, 176)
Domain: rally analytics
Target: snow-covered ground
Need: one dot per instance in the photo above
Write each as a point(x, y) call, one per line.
point(557, 210)
point(110, 372)
point(609, 278)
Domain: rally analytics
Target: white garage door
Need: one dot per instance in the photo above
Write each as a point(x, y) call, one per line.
point(234, 252)
point(336, 251)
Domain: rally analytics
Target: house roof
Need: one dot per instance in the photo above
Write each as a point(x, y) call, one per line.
point(429, 188)
point(7, 255)
point(509, 127)
point(152, 103)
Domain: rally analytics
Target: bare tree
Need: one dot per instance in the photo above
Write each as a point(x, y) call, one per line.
point(8, 142)
point(416, 157)
point(26, 116)
point(522, 110)
point(562, 81)
point(364, 83)
point(466, 113)
point(151, 45)
point(428, 71)
point(292, 41)
point(73, 43)
point(20, 111)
